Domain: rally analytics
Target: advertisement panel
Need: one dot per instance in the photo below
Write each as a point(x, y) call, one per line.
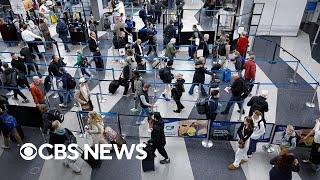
point(186, 128)
point(300, 131)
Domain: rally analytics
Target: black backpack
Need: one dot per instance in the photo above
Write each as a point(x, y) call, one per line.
point(222, 49)
point(107, 23)
point(245, 90)
point(201, 105)
point(162, 74)
point(168, 31)
point(71, 139)
point(141, 13)
point(71, 82)
point(47, 84)
point(55, 114)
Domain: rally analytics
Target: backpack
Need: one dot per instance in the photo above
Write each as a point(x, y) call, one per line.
point(71, 82)
point(161, 74)
point(168, 31)
point(239, 63)
point(71, 139)
point(55, 114)
point(264, 123)
point(201, 105)
point(141, 13)
point(106, 23)
point(130, 24)
point(291, 137)
point(222, 50)
point(9, 121)
point(226, 75)
point(62, 28)
point(255, 107)
point(246, 90)
point(47, 83)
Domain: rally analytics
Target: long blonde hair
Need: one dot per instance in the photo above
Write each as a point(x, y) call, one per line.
point(95, 119)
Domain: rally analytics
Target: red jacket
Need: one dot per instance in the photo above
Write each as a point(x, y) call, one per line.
point(250, 70)
point(37, 94)
point(242, 44)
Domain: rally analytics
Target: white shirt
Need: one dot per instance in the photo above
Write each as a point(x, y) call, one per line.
point(316, 129)
point(27, 35)
point(258, 132)
point(140, 49)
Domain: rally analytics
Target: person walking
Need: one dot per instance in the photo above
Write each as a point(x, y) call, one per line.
point(63, 31)
point(10, 81)
point(82, 63)
point(8, 126)
point(171, 51)
point(145, 104)
point(283, 166)
point(199, 76)
point(28, 59)
point(242, 44)
point(213, 104)
point(259, 103)
point(31, 39)
point(169, 32)
point(158, 138)
point(177, 91)
point(166, 76)
point(127, 72)
point(46, 33)
point(36, 91)
point(258, 132)
point(236, 90)
point(18, 64)
point(67, 90)
point(138, 85)
point(244, 132)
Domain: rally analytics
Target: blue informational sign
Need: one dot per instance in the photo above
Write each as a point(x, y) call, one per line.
point(185, 127)
point(311, 6)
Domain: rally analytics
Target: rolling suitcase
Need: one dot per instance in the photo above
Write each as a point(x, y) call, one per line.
point(93, 163)
point(148, 162)
point(114, 85)
point(113, 137)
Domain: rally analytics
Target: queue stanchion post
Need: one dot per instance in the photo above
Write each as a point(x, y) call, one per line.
point(268, 147)
point(258, 88)
point(293, 79)
point(155, 90)
point(80, 124)
point(102, 100)
point(207, 143)
point(131, 8)
point(99, 107)
point(113, 74)
point(273, 61)
point(58, 51)
point(311, 103)
point(119, 126)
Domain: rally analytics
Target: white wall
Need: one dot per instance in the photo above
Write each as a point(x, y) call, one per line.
point(281, 17)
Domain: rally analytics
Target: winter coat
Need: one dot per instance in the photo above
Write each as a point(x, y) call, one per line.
point(199, 74)
point(178, 89)
point(158, 137)
point(9, 77)
point(250, 70)
point(258, 102)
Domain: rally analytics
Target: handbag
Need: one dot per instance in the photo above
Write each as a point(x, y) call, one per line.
point(54, 19)
point(241, 144)
point(87, 107)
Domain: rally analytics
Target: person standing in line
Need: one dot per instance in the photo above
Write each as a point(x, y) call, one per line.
point(250, 71)
point(36, 91)
point(138, 84)
point(60, 136)
point(177, 90)
point(244, 132)
point(213, 105)
point(31, 39)
point(95, 128)
point(166, 76)
point(127, 73)
point(158, 6)
point(145, 104)
point(314, 158)
point(28, 59)
point(236, 90)
point(169, 32)
point(63, 31)
point(283, 166)
point(138, 51)
point(199, 76)
point(68, 86)
point(10, 81)
point(204, 45)
point(82, 95)
point(46, 33)
point(83, 63)
point(18, 63)
point(8, 126)
point(258, 132)
point(158, 138)
point(171, 51)
point(259, 103)
point(242, 44)
point(143, 14)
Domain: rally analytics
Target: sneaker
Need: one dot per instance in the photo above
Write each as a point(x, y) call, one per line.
point(232, 167)
point(250, 156)
point(134, 110)
point(26, 101)
point(176, 111)
point(10, 93)
point(243, 112)
point(5, 147)
point(165, 161)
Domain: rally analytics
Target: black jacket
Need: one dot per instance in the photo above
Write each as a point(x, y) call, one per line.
point(9, 77)
point(177, 89)
point(258, 103)
point(168, 76)
point(237, 87)
point(277, 174)
point(19, 65)
point(27, 54)
point(127, 72)
point(205, 46)
point(137, 52)
point(244, 134)
point(56, 138)
point(54, 69)
point(158, 137)
point(92, 45)
point(211, 112)
point(199, 75)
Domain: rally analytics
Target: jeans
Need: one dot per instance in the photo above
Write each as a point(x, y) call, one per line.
point(152, 46)
point(15, 134)
point(233, 100)
point(203, 91)
point(252, 146)
point(143, 112)
point(157, 17)
point(67, 96)
point(241, 154)
point(84, 71)
point(179, 104)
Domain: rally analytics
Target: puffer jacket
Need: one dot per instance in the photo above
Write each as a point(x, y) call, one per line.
point(199, 74)
point(9, 77)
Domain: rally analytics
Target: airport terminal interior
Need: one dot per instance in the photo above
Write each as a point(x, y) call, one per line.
point(283, 44)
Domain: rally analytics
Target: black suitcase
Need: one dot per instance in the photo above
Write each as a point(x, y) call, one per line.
point(148, 162)
point(93, 163)
point(142, 67)
point(114, 85)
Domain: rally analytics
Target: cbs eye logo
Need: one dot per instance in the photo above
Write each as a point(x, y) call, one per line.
point(28, 151)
